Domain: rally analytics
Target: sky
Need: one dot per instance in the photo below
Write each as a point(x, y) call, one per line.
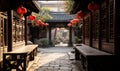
point(56, 8)
point(51, 1)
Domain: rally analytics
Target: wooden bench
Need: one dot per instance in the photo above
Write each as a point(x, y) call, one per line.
point(93, 59)
point(19, 59)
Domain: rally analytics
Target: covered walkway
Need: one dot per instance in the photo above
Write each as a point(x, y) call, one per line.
point(94, 33)
point(55, 59)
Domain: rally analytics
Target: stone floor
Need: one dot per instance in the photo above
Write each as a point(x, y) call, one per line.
point(55, 59)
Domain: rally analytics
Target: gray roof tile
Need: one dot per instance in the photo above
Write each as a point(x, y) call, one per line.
point(60, 17)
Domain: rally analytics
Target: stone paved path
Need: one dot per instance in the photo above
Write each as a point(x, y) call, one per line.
point(55, 59)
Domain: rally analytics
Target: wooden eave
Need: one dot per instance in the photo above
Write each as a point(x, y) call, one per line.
point(13, 4)
point(79, 5)
point(31, 5)
point(75, 7)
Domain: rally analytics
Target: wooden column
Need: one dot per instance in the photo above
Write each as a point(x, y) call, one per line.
point(26, 31)
point(91, 30)
point(117, 26)
point(10, 22)
point(108, 22)
point(100, 30)
point(116, 20)
point(83, 31)
point(50, 35)
point(0, 34)
point(70, 37)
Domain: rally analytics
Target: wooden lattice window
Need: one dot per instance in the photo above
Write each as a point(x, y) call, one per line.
point(3, 35)
point(18, 30)
point(95, 29)
point(107, 21)
point(86, 30)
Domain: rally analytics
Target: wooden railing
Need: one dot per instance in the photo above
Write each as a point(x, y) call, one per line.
point(19, 59)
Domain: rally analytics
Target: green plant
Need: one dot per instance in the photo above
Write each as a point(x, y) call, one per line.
point(44, 42)
point(43, 14)
point(68, 5)
point(75, 39)
point(51, 44)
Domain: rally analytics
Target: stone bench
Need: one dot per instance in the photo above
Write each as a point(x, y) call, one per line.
point(19, 59)
point(93, 59)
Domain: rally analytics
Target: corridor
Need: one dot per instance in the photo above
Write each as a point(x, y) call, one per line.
point(55, 59)
point(35, 35)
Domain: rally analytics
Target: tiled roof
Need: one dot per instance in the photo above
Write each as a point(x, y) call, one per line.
point(60, 17)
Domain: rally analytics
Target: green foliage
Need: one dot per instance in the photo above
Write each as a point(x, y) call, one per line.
point(51, 44)
point(43, 14)
point(68, 5)
point(44, 42)
point(75, 39)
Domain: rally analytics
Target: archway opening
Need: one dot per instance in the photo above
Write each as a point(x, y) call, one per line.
point(60, 36)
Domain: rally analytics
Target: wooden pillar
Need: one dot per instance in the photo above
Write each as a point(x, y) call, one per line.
point(117, 26)
point(100, 30)
point(10, 22)
point(70, 37)
point(50, 35)
point(108, 22)
point(91, 30)
point(26, 31)
point(83, 31)
point(116, 20)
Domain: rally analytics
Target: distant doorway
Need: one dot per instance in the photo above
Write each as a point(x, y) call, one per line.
point(60, 36)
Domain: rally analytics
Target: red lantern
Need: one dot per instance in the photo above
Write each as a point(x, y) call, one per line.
point(74, 21)
point(69, 24)
point(96, 6)
point(21, 10)
point(93, 6)
point(46, 24)
point(80, 14)
point(24, 10)
point(42, 24)
point(31, 17)
point(77, 16)
point(90, 7)
point(38, 22)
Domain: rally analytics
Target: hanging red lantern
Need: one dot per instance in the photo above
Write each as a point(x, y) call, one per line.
point(46, 24)
point(96, 6)
point(21, 10)
point(38, 22)
point(74, 21)
point(80, 14)
point(42, 24)
point(90, 7)
point(69, 24)
point(24, 10)
point(93, 6)
point(31, 17)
